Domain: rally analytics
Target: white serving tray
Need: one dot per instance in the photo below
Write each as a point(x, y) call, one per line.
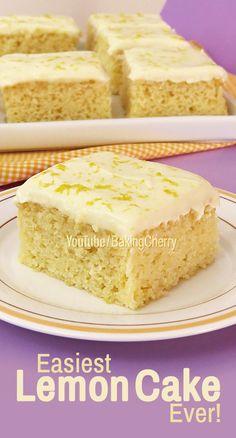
point(67, 134)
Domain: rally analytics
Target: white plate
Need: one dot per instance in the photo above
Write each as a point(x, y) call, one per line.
point(204, 303)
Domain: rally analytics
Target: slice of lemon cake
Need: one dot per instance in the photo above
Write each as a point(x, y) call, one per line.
point(55, 86)
point(171, 82)
point(100, 21)
point(111, 43)
point(42, 34)
point(123, 229)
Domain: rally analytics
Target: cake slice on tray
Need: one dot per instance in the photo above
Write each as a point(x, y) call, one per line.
point(171, 81)
point(123, 229)
point(38, 34)
point(54, 86)
point(101, 21)
point(113, 41)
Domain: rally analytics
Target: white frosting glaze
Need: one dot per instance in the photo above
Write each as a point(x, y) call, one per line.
point(126, 37)
point(101, 21)
point(17, 23)
point(118, 193)
point(176, 64)
point(63, 66)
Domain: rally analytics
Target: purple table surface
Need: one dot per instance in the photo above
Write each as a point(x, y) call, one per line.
point(212, 23)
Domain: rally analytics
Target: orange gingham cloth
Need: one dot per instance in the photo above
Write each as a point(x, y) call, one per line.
point(18, 166)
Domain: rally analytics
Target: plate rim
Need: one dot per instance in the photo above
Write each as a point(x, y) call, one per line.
point(103, 333)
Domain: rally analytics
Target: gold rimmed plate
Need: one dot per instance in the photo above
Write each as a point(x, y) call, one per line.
point(37, 302)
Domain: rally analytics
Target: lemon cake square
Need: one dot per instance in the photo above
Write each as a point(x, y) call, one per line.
point(123, 229)
point(100, 21)
point(171, 82)
point(38, 34)
point(55, 86)
point(111, 43)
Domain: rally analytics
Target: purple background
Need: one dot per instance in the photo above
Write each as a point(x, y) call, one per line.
point(211, 22)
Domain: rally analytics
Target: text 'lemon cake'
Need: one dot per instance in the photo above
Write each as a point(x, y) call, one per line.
point(171, 82)
point(55, 86)
point(37, 34)
point(122, 229)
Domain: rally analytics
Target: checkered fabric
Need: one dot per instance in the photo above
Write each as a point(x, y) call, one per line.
point(17, 166)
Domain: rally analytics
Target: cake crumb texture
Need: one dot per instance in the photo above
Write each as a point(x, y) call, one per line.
point(46, 101)
point(153, 99)
point(124, 276)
